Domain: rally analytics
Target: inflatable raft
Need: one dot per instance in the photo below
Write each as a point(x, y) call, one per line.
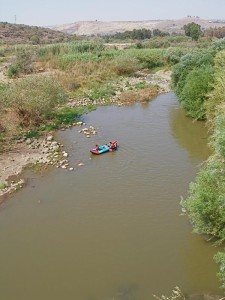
point(111, 146)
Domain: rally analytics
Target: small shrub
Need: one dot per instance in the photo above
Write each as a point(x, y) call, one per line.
point(126, 65)
point(33, 97)
point(150, 58)
point(13, 71)
point(3, 185)
point(140, 85)
point(102, 91)
point(173, 55)
point(142, 95)
point(65, 116)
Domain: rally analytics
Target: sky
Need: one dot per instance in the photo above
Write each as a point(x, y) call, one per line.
point(55, 12)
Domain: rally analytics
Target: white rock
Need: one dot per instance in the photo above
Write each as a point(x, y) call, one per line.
point(49, 138)
point(54, 143)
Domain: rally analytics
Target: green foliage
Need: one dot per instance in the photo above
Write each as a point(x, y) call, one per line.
point(150, 58)
point(205, 203)
point(71, 48)
point(218, 45)
point(219, 135)
point(139, 45)
point(35, 40)
point(220, 259)
point(214, 105)
point(3, 185)
point(31, 98)
point(67, 59)
point(126, 64)
point(23, 64)
point(195, 90)
point(187, 63)
point(101, 91)
point(13, 71)
point(33, 133)
point(168, 41)
point(157, 32)
point(64, 116)
point(174, 54)
point(135, 34)
point(140, 85)
point(193, 30)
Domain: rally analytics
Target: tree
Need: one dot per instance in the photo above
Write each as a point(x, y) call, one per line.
point(193, 30)
point(35, 39)
point(157, 32)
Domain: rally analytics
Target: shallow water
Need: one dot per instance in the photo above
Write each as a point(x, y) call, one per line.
point(111, 229)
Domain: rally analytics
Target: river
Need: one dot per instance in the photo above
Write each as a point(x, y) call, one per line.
point(112, 228)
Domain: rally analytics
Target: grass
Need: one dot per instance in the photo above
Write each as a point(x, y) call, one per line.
point(64, 116)
point(3, 185)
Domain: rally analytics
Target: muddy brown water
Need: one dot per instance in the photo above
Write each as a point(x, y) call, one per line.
point(112, 228)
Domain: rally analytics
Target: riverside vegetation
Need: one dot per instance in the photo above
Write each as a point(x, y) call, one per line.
point(199, 83)
point(47, 87)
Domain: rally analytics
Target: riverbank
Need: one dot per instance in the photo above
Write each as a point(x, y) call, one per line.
point(48, 152)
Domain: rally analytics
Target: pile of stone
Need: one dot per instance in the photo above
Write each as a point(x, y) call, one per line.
point(89, 131)
point(86, 102)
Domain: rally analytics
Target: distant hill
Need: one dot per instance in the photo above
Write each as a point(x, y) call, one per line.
point(19, 33)
point(24, 34)
point(109, 28)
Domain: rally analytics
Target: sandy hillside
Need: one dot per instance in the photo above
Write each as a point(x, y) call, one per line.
point(106, 28)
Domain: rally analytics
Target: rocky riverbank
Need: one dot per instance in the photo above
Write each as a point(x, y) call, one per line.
point(48, 152)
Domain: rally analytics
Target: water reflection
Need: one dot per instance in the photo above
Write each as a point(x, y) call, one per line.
point(191, 135)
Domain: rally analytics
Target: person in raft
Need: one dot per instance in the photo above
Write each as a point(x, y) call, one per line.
point(97, 147)
point(112, 146)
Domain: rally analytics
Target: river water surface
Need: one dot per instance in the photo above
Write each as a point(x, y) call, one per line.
point(112, 228)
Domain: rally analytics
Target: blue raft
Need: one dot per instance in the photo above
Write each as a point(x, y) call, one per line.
point(111, 146)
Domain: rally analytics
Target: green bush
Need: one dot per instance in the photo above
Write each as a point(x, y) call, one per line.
point(197, 85)
point(64, 116)
point(220, 259)
point(22, 64)
point(33, 97)
point(219, 135)
point(101, 91)
point(188, 62)
point(173, 54)
point(125, 64)
point(3, 185)
point(218, 45)
point(205, 204)
point(71, 48)
point(13, 71)
point(150, 58)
